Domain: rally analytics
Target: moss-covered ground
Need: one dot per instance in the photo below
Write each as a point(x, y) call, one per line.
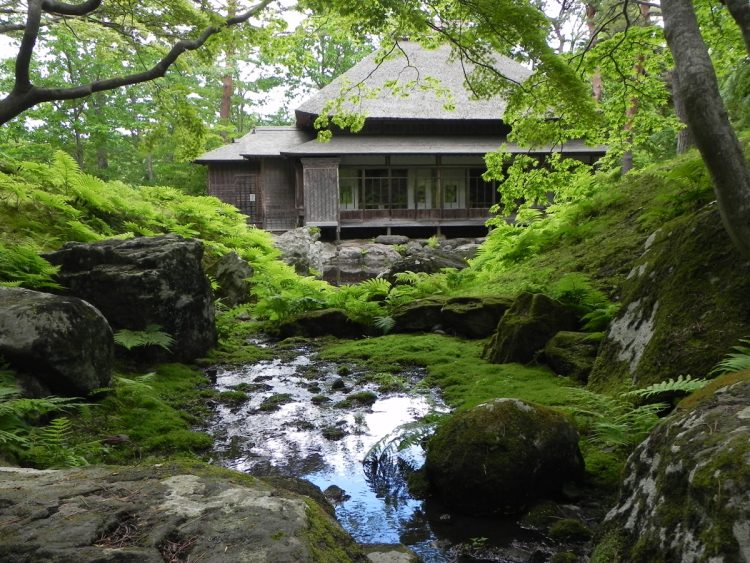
point(147, 416)
point(456, 367)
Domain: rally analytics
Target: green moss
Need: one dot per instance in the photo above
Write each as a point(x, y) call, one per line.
point(362, 398)
point(274, 402)
point(232, 398)
point(234, 346)
point(692, 400)
point(327, 541)
point(456, 366)
point(570, 530)
point(610, 548)
point(156, 412)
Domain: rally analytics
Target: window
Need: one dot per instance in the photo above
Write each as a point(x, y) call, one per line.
point(425, 188)
point(454, 186)
point(375, 188)
point(349, 189)
point(482, 194)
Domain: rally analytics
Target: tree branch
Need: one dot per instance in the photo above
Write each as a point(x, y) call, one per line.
point(64, 9)
point(25, 95)
point(30, 34)
point(8, 27)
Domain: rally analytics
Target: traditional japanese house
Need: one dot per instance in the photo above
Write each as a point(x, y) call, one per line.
point(416, 163)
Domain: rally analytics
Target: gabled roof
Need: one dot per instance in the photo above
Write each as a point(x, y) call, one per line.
point(341, 145)
point(411, 65)
point(261, 141)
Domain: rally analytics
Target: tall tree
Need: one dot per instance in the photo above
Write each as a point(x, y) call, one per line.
point(708, 119)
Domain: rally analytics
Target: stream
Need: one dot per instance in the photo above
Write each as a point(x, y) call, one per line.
point(339, 429)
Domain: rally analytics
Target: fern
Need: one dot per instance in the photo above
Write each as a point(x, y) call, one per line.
point(384, 324)
point(152, 335)
point(375, 287)
point(51, 446)
point(20, 265)
point(683, 385)
point(20, 440)
point(614, 422)
point(734, 361)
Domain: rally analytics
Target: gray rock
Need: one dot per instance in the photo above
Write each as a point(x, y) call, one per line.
point(143, 281)
point(527, 326)
point(466, 251)
point(301, 249)
point(391, 239)
point(501, 455)
point(64, 342)
point(156, 514)
point(232, 273)
point(379, 256)
point(453, 243)
point(686, 490)
point(428, 260)
point(684, 305)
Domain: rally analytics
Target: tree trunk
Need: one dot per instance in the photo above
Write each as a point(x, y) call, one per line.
point(708, 119)
point(227, 81)
point(596, 79)
point(632, 110)
point(740, 11)
point(685, 139)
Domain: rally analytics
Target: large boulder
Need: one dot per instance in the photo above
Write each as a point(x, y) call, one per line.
point(526, 327)
point(301, 249)
point(572, 354)
point(684, 305)
point(501, 455)
point(232, 274)
point(420, 315)
point(473, 317)
point(161, 513)
point(145, 281)
point(686, 492)
point(63, 342)
point(322, 322)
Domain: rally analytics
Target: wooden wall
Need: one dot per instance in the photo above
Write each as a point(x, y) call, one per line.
point(278, 186)
point(321, 191)
point(238, 183)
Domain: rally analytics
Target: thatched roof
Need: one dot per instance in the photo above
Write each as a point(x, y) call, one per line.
point(261, 141)
point(342, 145)
point(411, 66)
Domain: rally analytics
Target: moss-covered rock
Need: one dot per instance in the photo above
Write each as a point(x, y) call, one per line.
point(160, 513)
point(527, 326)
point(473, 317)
point(323, 322)
point(421, 315)
point(500, 455)
point(684, 305)
point(686, 493)
point(571, 354)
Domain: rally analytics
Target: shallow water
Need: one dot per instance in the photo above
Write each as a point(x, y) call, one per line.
point(376, 506)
